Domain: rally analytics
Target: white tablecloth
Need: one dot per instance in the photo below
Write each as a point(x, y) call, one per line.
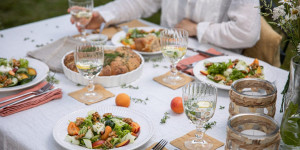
point(32, 129)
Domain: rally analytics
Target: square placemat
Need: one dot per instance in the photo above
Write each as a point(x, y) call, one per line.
point(179, 142)
point(98, 89)
point(159, 79)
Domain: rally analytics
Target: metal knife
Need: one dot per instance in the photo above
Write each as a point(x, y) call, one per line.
point(24, 99)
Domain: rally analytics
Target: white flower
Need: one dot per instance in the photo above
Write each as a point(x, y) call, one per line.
point(294, 13)
point(278, 11)
point(286, 2)
point(298, 48)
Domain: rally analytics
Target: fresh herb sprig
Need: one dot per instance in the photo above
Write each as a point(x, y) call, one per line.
point(155, 65)
point(124, 86)
point(165, 117)
point(209, 125)
point(52, 79)
point(139, 100)
point(221, 107)
point(155, 59)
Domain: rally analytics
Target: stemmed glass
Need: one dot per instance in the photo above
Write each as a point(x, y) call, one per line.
point(174, 44)
point(81, 11)
point(89, 62)
point(199, 102)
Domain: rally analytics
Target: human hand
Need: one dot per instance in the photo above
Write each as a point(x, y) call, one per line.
point(95, 22)
point(188, 25)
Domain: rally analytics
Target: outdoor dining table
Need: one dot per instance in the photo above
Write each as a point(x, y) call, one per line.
point(32, 129)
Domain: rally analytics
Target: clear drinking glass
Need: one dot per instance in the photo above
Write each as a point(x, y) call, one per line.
point(174, 44)
point(89, 62)
point(199, 102)
point(252, 131)
point(81, 11)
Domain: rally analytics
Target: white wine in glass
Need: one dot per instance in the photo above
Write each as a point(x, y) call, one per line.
point(199, 102)
point(89, 62)
point(82, 12)
point(174, 44)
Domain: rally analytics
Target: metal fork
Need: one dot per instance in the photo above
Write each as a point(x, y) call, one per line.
point(41, 90)
point(160, 145)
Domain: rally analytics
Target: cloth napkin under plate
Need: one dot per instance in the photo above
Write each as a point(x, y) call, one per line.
point(53, 53)
point(181, 65)
point(30, 103)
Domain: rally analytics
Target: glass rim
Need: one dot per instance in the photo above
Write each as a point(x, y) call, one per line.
point(253, 114)
point(81, 1)
point(200, 82)
point(274, 91)
point(174, 29)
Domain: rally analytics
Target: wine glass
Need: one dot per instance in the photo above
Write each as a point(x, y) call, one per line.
point(89, 62)
point(199, 102)
point(81, 11)
point(174, 44)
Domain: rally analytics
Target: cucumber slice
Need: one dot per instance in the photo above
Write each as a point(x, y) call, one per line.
point(22, 70)
point(87, 143)
point(89, 134)
point(72, 139)
point(14, 82)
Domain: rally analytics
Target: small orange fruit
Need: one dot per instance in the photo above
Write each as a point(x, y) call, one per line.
point(123, 100)
point(176, 105)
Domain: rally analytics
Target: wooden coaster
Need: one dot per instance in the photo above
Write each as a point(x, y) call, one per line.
point(98, 89)
point(179, 142)
point(149, 148)
point(159, 79)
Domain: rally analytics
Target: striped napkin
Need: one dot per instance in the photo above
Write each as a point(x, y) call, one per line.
point(30, 103)
point(181, 65)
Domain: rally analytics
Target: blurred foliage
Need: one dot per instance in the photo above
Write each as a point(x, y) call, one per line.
point(17, 12)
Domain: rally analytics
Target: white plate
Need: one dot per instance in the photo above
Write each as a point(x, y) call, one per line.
point(41, 69)
point(200, 66)
point(146, 130)
point(116, 39)
point(106, 81)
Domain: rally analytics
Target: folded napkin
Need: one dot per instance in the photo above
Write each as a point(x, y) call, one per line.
point(182, 64)
point(30, 103)
point(53, 53)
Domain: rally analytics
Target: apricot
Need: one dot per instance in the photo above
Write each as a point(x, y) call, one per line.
point(176, 105)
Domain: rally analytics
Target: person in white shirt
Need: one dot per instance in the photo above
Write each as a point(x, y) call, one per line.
point(230, 24)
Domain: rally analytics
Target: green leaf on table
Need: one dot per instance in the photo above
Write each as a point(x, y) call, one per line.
point(139, 100)
point(52, 79)
point(221, 107)
point(165, 117)
point(124, 86)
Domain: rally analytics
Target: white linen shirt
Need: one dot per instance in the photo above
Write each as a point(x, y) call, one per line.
point(231, 24)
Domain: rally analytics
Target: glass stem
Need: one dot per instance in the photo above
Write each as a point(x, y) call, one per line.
point(200, 132)
point(91, 86)
point(82, 32)
point(173, 69)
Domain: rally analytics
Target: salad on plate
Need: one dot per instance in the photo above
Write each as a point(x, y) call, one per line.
point(106, 132)
point(15, 72)
point(141, 40)
point(227, 72)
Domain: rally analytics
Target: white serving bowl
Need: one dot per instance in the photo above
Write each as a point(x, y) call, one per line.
point(105, 81)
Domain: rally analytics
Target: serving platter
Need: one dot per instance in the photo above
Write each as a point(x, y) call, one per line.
point(146, 130)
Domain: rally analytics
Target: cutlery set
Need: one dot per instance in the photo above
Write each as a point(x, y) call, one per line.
point(45, 89)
